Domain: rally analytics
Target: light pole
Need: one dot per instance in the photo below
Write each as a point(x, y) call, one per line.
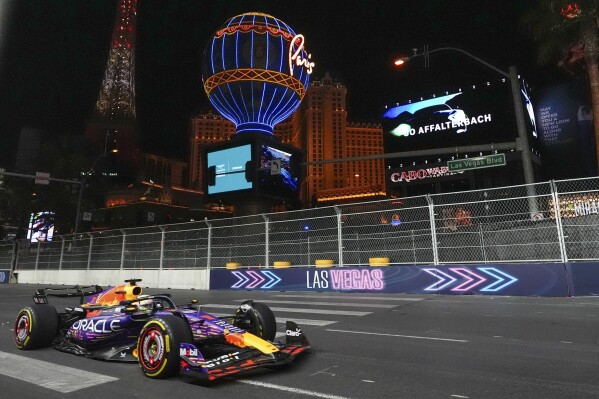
point(522, 140)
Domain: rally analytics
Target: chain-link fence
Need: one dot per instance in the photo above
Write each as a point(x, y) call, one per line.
point(546, 222)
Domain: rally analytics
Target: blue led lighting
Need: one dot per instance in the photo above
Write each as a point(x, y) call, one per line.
point(258, 100)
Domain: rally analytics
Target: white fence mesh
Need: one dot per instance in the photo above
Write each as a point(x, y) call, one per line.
point(545, 222)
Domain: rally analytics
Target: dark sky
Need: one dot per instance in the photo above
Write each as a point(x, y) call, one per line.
point(54, 52)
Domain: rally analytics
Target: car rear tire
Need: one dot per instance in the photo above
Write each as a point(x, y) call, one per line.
point(256, 318)
point(36, 326)
point(158, 346)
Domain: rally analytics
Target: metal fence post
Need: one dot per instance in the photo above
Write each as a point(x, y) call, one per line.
point(89, 254)
point(266, 240)
point(431, 212)
point(61, 253)
point(123, 249)
point(37, 256)
point(209, 249)
point(558, 222)
point(162, 235)
point(339, 235)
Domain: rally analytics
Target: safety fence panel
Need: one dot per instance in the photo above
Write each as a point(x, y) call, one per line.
point(504, 225)
point(142, 249)
point(7, 249)
point(302, 237)
point(578, 208)
point(543, 222)
point(75, 252)
point(240, 240)
point(398, 229)
point(186, 246)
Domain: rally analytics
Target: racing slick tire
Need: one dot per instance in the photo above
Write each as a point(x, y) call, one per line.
point(258, 319)
point(158, 346)
point(36, 326)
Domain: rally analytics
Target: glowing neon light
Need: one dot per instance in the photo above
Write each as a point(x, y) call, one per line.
point(296, 56)
point(242, 280)
point(435, 273)
point(356, 279)
point(499, 275)
point(467, 273)
point(274, 279)
point(257, 279)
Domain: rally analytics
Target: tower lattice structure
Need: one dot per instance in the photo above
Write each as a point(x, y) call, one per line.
point(117, 94)
point(113, 119)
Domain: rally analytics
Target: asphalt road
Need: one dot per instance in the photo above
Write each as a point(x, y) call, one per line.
point(364, 346)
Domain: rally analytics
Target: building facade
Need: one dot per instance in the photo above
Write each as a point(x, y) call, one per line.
point(320, 128)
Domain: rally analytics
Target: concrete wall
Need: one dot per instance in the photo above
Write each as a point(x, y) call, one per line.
point(181, 279)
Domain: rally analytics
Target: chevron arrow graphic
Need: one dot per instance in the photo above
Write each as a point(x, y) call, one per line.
point(257, 279)
point(273, 279)
point(472, 279)
point(242, 280)
point(500, 276)
point(448, 280)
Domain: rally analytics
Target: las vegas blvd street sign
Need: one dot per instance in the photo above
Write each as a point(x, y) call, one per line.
point(488, 161)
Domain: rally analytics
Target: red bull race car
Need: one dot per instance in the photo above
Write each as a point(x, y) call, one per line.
point(122, 324)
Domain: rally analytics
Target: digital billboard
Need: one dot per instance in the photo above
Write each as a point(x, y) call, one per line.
point(41, 227)
point(476, 114)
point(228, 166)
point(285, 182)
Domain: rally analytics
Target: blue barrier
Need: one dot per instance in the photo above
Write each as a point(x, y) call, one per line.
point(526, 279)
point(4, 276)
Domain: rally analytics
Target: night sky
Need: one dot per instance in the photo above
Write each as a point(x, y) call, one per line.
point(53, 54)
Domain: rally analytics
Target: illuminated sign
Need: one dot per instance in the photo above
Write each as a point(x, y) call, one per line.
point(408, 176)
point(476, 114)
point(296, 55)
point(488, 161)
point(571, 206)
point(466, 279)
point(349, 279)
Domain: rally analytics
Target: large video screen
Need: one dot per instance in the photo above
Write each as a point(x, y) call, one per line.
point(477, 114)
point(41, 227)
point(284, 183)
point(230, 169)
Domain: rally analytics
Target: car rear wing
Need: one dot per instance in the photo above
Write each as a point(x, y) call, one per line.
point(41, 295)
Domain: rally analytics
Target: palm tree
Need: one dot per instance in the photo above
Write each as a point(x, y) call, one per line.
point(568, 31)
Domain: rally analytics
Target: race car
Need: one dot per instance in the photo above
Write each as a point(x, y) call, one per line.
point(123, 324)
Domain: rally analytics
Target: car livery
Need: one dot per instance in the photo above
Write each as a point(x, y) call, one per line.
point(165, 339)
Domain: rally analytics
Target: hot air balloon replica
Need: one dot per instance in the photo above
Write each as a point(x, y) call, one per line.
point(256, 70)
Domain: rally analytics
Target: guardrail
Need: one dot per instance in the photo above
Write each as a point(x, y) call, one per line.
point(481, 226)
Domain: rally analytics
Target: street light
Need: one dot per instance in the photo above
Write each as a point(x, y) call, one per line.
point(522, 140)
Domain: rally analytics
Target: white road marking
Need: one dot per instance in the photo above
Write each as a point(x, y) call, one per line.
point(459, 396)
point(301, 322)
point(364, 305)
point(294, 310)
point(292, 390)
point(349, 298)
point(397, 335)
point(49, 375)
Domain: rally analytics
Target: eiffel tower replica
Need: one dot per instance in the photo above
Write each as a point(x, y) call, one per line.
point(113, 126)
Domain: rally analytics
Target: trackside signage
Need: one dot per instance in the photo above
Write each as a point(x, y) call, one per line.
point(509, 279)
point(488, 161)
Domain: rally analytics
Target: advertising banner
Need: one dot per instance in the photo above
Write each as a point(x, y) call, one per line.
point(4, 276)
point(566, 131)
point(584, 278)
point(547, 279)
point(477, 114)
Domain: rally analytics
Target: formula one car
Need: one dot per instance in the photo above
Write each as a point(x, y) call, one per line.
point(122, 324)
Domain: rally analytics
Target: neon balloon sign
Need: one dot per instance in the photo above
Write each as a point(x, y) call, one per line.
point(297, 57)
